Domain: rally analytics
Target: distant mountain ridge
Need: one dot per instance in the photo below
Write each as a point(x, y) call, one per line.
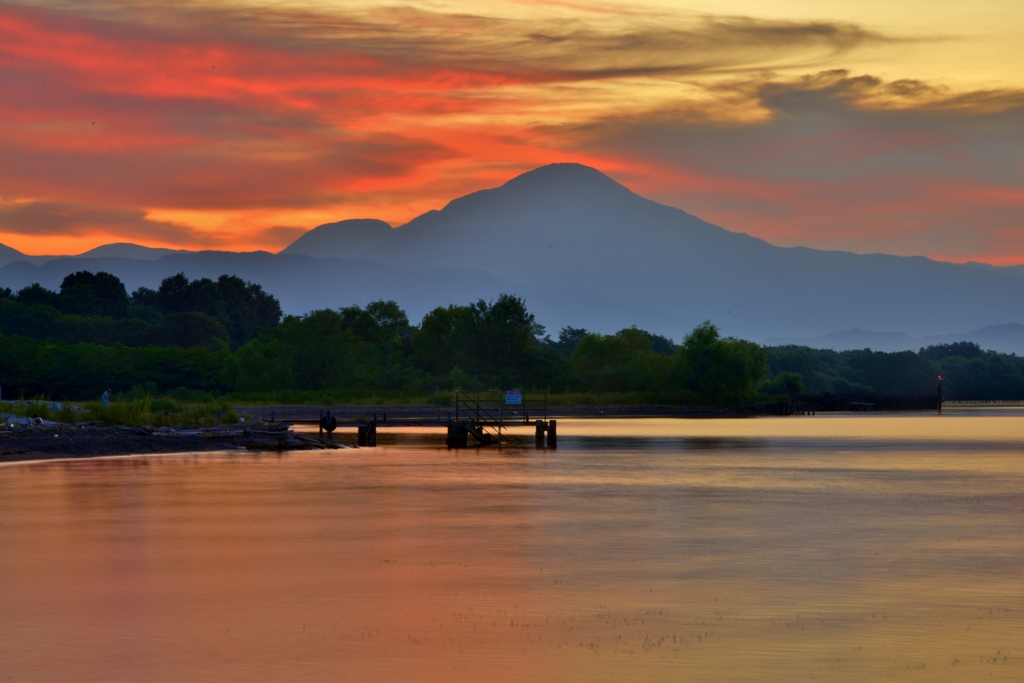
point(129, 250)
point(588, 252)
point(1008, 338)
point(117, 249)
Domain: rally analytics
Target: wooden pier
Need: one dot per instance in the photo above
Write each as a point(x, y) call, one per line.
point(479, 418)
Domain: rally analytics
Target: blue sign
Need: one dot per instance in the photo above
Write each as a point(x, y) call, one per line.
point(513, 398)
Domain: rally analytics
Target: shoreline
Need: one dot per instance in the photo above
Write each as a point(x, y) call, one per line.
point(424, 411)
point(60, 441)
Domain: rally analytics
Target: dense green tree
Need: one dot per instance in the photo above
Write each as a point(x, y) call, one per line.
point(904, 372)
point(784, 384)
point(144, 305)
point(82, 371)
point(963, 349)
point(718, 370)
point(37, 295)
point(621, 362)
point(494, 341)
point(46, 322)
point(434, 344)
point(79, 299)
point(179, 336)
point(144, 296)
point(243, 308)
point(321, 353)
point(260, 365)
point(190, 328)
point(499, 335)
point(988, 377)
point(569, 337)
point(821, 369)
point(659, 344)
point(383, 324)
point(93, 294)
point(969, 372)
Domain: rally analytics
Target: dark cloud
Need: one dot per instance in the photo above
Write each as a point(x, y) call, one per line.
point(575, 50)
point(521, 50)
point(838, 161)
point(47, 218)
point(869, 92)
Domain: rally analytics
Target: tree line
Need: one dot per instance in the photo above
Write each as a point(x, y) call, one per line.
point(226, 335)
point(969, 373)
point(95, 308)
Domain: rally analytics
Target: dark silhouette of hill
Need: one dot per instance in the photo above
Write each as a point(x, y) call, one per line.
point(345, 239)
point(1008, 338)
point(7, 255)
point(1012, 271)
point(303, 283)
point(570, 225)
point(588, 252)
point(129, 250)
point(117, 249)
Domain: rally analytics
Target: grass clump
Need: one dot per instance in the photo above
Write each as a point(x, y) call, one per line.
point(132, 410)
point(161, 412)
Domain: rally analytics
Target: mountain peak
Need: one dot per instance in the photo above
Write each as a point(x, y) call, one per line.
point(562, 177)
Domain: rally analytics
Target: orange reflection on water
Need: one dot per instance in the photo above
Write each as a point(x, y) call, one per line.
point(851, 548)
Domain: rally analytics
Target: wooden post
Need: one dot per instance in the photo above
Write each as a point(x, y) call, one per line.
point(552, 433)
point(371, 435)
point(539, 433)
point(361, 435)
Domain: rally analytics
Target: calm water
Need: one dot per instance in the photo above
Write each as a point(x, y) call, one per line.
point(779, 549)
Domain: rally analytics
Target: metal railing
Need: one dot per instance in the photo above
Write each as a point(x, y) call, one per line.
point(490, 414)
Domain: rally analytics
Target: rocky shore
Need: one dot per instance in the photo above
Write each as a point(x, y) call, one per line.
point(35, 439)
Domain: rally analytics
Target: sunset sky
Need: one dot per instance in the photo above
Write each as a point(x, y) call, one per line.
point(867, 125)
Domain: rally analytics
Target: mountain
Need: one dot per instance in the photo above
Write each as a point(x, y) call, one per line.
point(129, 250)
point(1008, 338)
point(7, 255)
point(1012, 271)
point(303, 283)
point(118, 249)
point(588, 252)
point(345, 239)
point(854, 340)
point(570, 225)
point(10, 255)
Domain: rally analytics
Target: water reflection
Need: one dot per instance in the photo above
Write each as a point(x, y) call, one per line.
point(838, 548)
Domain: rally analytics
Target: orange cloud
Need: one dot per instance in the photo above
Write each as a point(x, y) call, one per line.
point(204, 126)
